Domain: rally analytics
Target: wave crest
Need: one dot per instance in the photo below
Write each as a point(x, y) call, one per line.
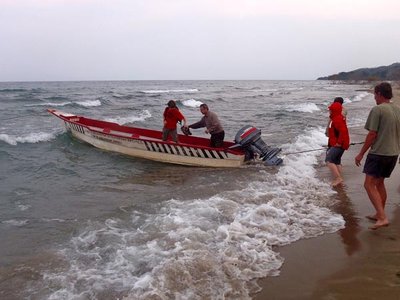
point(34, 137)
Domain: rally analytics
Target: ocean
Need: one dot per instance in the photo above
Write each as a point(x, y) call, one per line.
point(77, 222)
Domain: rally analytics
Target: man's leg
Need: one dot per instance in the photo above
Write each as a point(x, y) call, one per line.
point(340, 169)
point(336, 174)
point(165, 134)
point(174, 135)
point(217, 140)
point(382, 191)
point(371, 186)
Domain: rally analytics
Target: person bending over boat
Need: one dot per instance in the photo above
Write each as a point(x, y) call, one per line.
point(338, 142)
point(172, 115)
point(213, 126)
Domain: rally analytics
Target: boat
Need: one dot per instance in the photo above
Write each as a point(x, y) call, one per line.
point(189, 150)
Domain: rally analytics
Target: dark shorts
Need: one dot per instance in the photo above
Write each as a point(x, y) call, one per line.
point(334, 155)
point(217, 139)
point(379, 166)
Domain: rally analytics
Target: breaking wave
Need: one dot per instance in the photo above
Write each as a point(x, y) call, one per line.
point(210, 248)
point(305, 107)
point(145, 114)
point(34, 137)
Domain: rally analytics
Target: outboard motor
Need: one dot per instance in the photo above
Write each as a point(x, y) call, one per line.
point(249, 139)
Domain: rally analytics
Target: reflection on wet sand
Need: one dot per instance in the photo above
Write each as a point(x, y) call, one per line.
point(374, 274)
point(349, 233)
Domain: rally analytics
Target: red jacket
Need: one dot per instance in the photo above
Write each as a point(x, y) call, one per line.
point(171, 117)
point(338, 132)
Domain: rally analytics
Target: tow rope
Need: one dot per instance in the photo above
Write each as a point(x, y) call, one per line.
point(319, 149)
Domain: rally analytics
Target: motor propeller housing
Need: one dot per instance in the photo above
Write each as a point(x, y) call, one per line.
point(249, 139)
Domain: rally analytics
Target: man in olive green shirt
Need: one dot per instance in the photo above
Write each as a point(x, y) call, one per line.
point(383, 125)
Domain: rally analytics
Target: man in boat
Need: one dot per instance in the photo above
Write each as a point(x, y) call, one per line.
point(213, 126)
point(172, 115)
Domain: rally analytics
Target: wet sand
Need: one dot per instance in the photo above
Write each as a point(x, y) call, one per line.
point(354, 263)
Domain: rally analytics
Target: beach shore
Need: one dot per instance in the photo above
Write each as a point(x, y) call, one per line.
point(355, 262)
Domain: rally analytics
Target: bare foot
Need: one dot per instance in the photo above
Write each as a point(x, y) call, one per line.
point(372, 217)
point(379, 224)
point(337, 181)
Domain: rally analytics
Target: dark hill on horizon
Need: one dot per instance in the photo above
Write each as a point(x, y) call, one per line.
point(391, 72)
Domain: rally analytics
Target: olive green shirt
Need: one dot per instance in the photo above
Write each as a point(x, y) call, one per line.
point(385, 120)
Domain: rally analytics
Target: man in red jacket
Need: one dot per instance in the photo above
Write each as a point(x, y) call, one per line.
point(338, 142)
point(172, 115)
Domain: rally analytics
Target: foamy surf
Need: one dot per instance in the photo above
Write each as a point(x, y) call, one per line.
point(192, 103)
point(87, 103)
point(145, 114)
point(361, 97)
point(16, 223)
point(214, 247)
point(34, 137)
point(304, 107)
point(142, 229)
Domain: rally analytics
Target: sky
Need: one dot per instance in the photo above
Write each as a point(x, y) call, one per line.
point(56, 40)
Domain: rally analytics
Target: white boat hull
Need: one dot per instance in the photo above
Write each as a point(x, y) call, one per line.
point(155, 150)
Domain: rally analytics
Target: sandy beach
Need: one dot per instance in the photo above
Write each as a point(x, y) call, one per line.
point(354, 263)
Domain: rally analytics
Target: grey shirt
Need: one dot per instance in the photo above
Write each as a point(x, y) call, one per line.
point(385, 120)
point(211, 122)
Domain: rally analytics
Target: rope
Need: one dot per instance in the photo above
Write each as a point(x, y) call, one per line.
point(319, 149)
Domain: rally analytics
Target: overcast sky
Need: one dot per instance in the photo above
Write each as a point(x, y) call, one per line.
point(194, 39)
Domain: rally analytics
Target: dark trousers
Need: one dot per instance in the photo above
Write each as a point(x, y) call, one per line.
point(217, 139)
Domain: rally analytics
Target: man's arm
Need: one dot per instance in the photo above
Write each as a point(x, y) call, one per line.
point(369, 140)
point(199, 124)
point(181, 118)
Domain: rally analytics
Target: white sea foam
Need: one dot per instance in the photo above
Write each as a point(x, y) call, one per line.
point(192, 103)
point(17, 223)
point(33, 137)
point(8, 139)
point(170, 91)
point(89, 103)
point(266, 90)
point(24, 207)
point(304, 107)
point(56, 220)
point(145, 114)
point(356, 121)
point(360, 97)
point(211, 248)
point(52, 104)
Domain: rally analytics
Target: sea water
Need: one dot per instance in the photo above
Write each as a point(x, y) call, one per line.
point(77, 222)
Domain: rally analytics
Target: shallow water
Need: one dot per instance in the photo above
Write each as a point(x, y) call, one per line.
point(77, 222)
